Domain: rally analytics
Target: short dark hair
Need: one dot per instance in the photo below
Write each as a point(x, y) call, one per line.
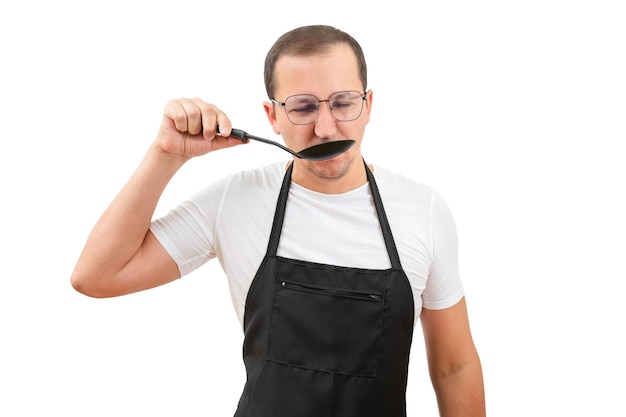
point(310, 40)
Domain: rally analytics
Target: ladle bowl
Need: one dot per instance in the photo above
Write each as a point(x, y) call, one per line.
point(319, 152)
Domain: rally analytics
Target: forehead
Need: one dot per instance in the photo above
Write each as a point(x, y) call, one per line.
point(320, 74)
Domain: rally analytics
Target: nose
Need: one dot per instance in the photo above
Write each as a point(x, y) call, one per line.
point(325, 124)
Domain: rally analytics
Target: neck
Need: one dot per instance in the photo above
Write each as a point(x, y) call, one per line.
point(336, 176)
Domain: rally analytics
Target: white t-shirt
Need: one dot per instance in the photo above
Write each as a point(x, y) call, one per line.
point(232, 218)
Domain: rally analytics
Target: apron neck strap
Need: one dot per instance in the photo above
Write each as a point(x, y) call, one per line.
point(281, 204)
point(279, 215)
point(382, 219)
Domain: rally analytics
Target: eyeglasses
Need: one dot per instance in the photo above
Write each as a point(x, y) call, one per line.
point(303, 109)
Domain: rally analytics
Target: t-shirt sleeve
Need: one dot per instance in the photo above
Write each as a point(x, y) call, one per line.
point(443, 287)
point(187, 232)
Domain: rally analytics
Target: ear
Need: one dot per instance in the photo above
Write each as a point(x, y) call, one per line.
point(271, 116)
point(368, 102)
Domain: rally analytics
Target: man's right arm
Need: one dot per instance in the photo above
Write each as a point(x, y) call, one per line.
point(121, 255)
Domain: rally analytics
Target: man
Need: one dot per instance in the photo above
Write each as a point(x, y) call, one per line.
point(327, 280)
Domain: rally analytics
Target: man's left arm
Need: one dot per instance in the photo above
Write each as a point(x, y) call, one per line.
point(453, 362)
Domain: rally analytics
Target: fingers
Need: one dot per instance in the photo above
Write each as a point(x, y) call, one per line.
point(196, 117)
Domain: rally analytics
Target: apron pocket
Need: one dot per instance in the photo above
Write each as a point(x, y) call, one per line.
point(326, 329)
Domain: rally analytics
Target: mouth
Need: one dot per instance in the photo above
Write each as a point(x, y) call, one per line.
point(326, 150)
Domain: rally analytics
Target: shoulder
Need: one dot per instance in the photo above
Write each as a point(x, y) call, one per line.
point(388, 178)
point(395, 187)
point(242, 189)
point(253, 179)
point(256, 183)
point(406, 198)
point(267, 175)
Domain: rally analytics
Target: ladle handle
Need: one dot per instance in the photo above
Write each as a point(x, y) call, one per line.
point(245, 137)
point(240, 134)
point(237, 133)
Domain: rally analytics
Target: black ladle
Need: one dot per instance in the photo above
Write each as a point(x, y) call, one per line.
point(319, 152)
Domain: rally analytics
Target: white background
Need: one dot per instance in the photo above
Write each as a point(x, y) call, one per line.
point(513, 111)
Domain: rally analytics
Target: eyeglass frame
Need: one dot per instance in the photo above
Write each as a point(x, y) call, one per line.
point(283, 103)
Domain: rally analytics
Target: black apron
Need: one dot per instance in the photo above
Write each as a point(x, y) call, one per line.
point(323, 340)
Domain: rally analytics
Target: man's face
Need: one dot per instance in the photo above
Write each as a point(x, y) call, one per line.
point(320, 75)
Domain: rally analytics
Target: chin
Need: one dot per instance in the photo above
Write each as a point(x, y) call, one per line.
point(331, 169)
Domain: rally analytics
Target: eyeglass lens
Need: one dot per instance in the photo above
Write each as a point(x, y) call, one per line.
point(304, 108)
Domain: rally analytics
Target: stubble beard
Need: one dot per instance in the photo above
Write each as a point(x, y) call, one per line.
point(331, 170)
